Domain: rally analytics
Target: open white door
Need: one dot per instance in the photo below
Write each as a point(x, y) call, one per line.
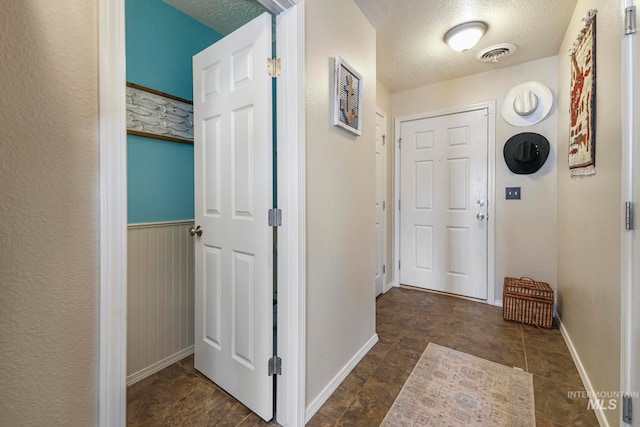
point(443, 203)
point(233, 193)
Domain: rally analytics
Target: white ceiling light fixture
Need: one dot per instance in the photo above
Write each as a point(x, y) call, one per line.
point(465, 36)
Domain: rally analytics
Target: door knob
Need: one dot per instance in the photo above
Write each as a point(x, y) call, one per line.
point(194, 231)
point(480, 217)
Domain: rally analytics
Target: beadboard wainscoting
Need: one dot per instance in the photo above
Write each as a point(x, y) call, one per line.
point(160, 296)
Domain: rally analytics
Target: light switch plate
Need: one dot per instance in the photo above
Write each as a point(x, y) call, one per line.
point(512, 193)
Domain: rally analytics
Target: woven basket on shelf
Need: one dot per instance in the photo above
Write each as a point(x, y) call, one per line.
point(527, 301)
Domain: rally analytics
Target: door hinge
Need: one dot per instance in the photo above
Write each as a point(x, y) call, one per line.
point(630, 20)
point(398, 204)
point(384, 269)
point(275, 366)
point(384, 139)
point(398, 264)
point(628, 215)
point(275, 217)
point(384, 205)
point(274, 67)
point(399, 142)
point(627, 409)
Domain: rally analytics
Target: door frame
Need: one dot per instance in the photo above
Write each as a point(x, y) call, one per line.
point(292, 246)
point(630, 284)
point(384, 225)
point(490, 106)
point(113, 215)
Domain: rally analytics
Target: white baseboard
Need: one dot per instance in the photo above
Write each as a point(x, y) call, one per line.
point(388, 286)
point(317, 403)
point(158, 366)
point(498, 303)
point(581, 370)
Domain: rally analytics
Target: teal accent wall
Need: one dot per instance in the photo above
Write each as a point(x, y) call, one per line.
point(161, 42)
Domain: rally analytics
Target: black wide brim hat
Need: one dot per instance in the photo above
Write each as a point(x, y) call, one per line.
point(526, 152)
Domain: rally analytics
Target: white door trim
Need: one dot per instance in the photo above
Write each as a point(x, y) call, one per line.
point(491, 180)
point(277, 6)
point(629, 283)
point(113, 215)
point(290, 399)
point(385, 284)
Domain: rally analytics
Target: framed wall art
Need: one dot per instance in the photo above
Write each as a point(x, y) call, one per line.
point(582, 134)
point(347, 107)
point(156, 114)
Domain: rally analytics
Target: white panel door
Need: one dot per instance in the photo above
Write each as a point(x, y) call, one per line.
point(443, 210)
point(381, 191)
point(233, 188)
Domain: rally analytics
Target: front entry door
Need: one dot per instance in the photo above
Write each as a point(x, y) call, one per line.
point(443, 203)
point(233, 193)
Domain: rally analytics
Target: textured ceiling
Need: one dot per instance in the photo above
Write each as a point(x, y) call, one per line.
point(410, 47)
point(223, 16)
point(411, 50)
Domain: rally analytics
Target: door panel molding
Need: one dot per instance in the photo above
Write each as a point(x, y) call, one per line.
point(491, 179)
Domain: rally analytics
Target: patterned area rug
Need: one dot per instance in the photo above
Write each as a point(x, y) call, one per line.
point(451, 388)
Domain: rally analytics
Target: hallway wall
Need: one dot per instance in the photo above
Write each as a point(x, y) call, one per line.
point(340, 196)
point(590, 209)
point(49, 213)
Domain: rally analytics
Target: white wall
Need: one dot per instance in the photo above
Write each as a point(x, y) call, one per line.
point(49, 213)
point(590, 209)
point(340, 195)
point(525, 235)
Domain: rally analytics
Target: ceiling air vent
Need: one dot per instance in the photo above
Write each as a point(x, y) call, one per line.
point(496, 52)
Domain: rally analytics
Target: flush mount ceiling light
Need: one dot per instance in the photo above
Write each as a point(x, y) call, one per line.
point(465, 36)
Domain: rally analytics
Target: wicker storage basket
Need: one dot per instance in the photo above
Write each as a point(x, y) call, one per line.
point(527, 301)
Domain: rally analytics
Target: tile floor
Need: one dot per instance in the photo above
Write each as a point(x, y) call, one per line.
point(181, 396)
point(407, 320)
